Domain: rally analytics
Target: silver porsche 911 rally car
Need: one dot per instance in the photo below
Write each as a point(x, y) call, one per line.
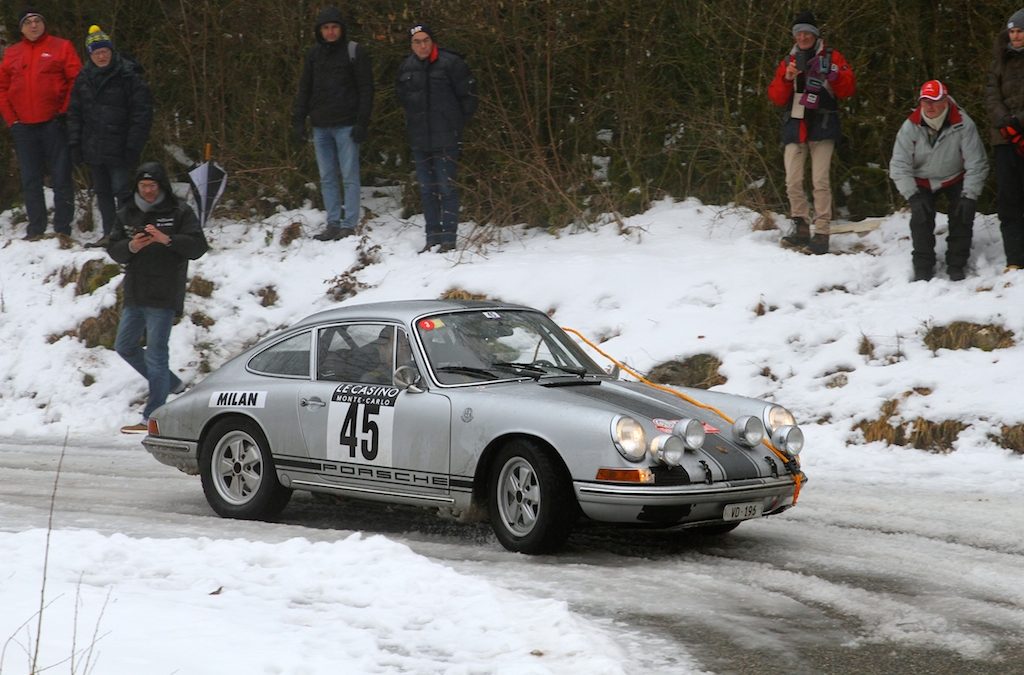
point(478, 407)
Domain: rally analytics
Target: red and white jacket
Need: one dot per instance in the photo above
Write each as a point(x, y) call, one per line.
point(36, 79)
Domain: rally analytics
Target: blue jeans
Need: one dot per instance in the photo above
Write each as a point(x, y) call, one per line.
point(150, 361)
point(337, 156)
point(110, 182)
point(40, 147)
point(436, 171)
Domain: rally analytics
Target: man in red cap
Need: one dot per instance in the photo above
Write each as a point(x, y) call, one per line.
point(938, 152)
point(36, 76)
point(808, 82)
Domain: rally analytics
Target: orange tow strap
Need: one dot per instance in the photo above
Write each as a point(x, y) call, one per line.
point(797, 477)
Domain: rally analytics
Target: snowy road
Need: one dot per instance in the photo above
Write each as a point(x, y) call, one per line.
point(891, 576)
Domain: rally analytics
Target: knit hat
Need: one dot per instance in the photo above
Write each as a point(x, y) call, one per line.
point(806, 23)
point(26, 13)
point(97, 39)
point(421, 28)
point(1017, 20)
point(933, 90)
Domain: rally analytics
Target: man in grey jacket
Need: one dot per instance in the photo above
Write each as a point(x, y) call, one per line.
point(938, 152)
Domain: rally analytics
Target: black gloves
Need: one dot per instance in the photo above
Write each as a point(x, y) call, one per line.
point(359, 133)
point(299, 133)
point(965, 210)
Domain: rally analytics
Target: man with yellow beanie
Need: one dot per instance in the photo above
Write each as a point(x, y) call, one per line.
point(109, 119)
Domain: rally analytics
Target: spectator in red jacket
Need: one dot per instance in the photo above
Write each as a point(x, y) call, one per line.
point(808, 82)
point(36, 76)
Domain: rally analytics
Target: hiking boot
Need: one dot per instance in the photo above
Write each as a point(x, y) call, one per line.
point(140, 428)
point(1011, 268)
point(818, 245)
point(956, 273)
point(800, 236)
point(922, 275)
point(32, 237)
point(446, 247)
point(100, 243)
point(426, 249)
point(182, 386)
point(334, 233)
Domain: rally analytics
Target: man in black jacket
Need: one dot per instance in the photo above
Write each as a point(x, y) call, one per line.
point(336, 93)
point(154, 237)
point(109, 119)
point(438, 92)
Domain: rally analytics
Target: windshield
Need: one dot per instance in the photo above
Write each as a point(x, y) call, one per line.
point(477, 346)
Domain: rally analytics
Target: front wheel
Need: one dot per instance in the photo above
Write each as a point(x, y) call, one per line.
point(530, 500)
point(238, 474)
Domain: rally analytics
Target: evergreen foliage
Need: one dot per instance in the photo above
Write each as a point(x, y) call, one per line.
point(587, 106)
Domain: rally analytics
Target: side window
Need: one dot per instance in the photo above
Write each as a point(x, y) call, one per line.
point(356, 353)
point(289, 357)
point(404, 352)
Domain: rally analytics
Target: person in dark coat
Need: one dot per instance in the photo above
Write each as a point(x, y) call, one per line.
point(154, 237)
point(808, 83)
point(1004, 101)
point(109, 119)
point(438, 92)
point(336, 93)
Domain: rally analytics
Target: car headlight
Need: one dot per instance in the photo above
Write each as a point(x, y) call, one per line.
point(789, 439)
point(748, 430)
point(668, 449)
point(629, 438)
point(776, 416)
point(691, 432)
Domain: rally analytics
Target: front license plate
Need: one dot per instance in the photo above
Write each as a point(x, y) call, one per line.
point(743, 511)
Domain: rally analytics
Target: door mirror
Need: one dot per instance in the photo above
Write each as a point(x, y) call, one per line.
point(407, 378)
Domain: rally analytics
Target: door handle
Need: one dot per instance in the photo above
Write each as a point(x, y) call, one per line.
point(314, 402)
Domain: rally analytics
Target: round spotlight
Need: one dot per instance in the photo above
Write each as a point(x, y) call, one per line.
point(691, 432)
point(748, 430)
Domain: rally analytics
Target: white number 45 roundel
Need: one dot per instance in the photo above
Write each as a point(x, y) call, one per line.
point(360, 432)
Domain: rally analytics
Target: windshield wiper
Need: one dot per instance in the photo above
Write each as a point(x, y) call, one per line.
point(540, 370)
point(467, 370)
point(578, 371)
point(533, 371)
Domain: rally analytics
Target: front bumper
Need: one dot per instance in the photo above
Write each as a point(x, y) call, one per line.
point(693, 503)
point(182, 455)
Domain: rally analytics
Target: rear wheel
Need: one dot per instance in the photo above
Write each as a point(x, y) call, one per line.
point(530, 500)
point(238, 473)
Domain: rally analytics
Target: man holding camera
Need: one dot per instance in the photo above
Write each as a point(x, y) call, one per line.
point(154, 237)
point(808, 83)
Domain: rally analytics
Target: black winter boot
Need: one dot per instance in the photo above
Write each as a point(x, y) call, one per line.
point(800, 236)
point(819, 244)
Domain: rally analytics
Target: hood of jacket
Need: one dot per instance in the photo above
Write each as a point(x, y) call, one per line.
point(155, 171)
point(330, 15)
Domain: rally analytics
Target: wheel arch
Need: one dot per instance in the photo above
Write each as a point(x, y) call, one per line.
point(486, 463)
point(229, 415)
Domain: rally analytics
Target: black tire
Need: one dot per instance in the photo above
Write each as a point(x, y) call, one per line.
point(238, 473)
point(530, 500)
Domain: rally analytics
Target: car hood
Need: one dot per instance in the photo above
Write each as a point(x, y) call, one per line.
point(636, 399)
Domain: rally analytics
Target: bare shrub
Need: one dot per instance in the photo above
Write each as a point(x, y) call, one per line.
point(699, 370)
point(967, 335)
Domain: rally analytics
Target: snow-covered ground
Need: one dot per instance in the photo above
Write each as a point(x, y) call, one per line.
point(681, 279)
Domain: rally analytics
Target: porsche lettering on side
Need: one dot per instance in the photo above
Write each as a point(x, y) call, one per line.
point(477, 407)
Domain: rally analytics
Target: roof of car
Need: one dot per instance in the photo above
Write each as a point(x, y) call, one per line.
point(403, 311)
